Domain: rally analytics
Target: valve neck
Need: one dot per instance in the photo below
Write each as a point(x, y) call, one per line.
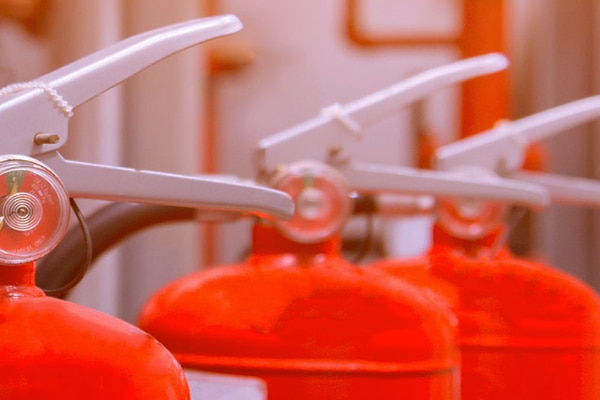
point(468, 246)
point(267, 240)
point(19, 281)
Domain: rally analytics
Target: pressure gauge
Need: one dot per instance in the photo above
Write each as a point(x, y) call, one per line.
point(321, 197)
point(469, 218)
point(34, 210)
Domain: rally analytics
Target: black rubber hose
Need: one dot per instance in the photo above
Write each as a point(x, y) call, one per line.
point(108, 227)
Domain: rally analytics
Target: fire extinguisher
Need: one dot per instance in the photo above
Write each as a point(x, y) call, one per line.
point(56, 349)
point(52, 348)
point(295, 313)
point(304, 320)
point(526, 329)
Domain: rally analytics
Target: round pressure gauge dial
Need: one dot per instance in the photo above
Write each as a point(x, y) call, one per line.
point(34, 210)
point(471, 219)
point(322, 202)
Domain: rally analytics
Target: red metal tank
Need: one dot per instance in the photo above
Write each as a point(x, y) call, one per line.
point(526, 330)
point(310, 324)
point(53, 349)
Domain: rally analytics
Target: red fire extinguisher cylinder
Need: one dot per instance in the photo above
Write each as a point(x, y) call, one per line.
point(300, 317)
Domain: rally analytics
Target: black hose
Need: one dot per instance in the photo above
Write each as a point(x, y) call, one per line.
point(82, 270)
point(112, 224)
point(108, 227)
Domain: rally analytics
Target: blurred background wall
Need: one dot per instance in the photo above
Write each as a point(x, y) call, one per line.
point(204, 109)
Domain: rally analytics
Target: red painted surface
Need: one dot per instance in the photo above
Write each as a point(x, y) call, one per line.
point(310, 324)
point(53, 349)
point(526, 330)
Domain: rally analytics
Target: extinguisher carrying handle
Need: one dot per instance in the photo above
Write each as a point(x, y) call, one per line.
point(503, 148)
point(34, 122)
point(334, 136)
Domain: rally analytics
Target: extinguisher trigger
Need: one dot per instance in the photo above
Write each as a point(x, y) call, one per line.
point(194, 191)
point(474, 185)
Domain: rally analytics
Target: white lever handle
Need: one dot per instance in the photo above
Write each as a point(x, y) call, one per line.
point(502, 149)
point(90, 76)
point(373, 178)
point(28, 112)
point(336, 133)
point(565, 190)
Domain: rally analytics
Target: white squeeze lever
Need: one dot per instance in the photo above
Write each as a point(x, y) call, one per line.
point(332, 139)
point(34, 123)
point(502, 150)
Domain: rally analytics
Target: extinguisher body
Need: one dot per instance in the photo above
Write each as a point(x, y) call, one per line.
point(309, 324)
point(526, 330)
point(54, 349)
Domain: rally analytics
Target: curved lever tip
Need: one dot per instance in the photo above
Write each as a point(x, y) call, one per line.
point(502, 148)
point(229, 22)
point(88, 77)
point(497, 61)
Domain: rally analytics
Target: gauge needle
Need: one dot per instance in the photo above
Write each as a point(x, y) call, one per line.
point(14, 182)
point(308, 180)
